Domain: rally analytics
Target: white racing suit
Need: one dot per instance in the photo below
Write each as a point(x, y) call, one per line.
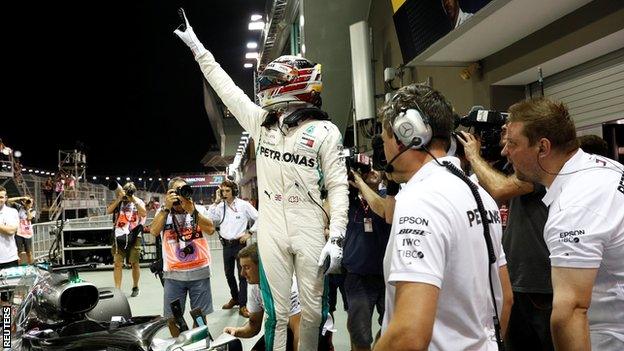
point(292, 169)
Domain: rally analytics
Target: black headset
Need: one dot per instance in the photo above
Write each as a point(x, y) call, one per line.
point(234, 190)
point(411, 128)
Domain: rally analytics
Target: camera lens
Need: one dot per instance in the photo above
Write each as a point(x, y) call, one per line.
point(112, 185)
point(185, 191)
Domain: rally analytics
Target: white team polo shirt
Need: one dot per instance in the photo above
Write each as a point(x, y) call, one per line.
point(585, 229)
point(8, 249)
point(437, 238)
point(237, 216)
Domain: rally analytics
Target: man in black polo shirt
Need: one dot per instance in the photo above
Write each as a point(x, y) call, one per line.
point(525, 249)
point(365, 245)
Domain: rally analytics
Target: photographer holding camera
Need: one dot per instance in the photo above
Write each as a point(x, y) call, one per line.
point(445, 270)
point(233, 215)
point(23, 237)
point(365, 244)
point(186, 255)
point(523, 241)
point(129, 215)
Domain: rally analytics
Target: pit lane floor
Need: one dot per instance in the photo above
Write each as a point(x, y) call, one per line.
point(150, 301)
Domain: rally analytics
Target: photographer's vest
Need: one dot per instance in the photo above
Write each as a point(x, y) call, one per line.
point(186, 251)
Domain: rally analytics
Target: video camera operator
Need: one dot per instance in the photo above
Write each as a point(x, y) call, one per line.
point(445, 270)
point(129, 216)
point(186, 254)
point(23, 237)
point(523, 241)
point(365, 245)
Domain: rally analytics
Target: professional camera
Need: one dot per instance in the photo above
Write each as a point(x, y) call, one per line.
point(185, 191)
point(113, 185)
point(354, 161)
point(488, 126)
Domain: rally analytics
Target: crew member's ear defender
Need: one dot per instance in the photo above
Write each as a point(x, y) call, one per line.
point(411, 128)
point(234, 190)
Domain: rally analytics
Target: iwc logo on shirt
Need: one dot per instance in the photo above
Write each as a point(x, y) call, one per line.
point(571, 236)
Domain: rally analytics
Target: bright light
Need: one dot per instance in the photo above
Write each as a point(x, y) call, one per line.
point(52, 173)
point(252, 45)
point(248, 65)
point(118, 178)
point(150, 179)
point(30, 171)
point(256, 17)
point(251, 55)
point(168, 179)
point(160, 179)
point(47, 173)
point(256, 25)
point(36, 171)
point(140, 179)
point(18, 153)
point(94, 178)
point(128, 178)
point(23, 169)
point(245, 133)
point(107, 178)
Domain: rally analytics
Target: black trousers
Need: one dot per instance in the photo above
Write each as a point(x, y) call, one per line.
point(529, 323)
point(237, 291)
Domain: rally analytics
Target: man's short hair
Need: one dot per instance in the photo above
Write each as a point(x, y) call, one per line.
point(230, 184)
point(593, 144)
point(2, 189)
point(175, 180)
point(429, 101)
point(251, 252)
point(130, 186)
point(544, 118)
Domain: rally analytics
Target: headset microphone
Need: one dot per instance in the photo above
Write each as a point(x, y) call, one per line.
point(389, 168)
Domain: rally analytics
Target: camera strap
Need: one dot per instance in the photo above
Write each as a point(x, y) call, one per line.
point(176, 227)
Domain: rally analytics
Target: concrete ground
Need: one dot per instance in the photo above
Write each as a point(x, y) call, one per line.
point(150, 301)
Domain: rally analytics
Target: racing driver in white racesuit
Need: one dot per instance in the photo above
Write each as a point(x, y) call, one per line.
point(298, 159)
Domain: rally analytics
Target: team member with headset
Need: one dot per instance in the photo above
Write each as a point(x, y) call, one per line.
point(584, 231)
point(233, 215)
point(447, 286)
point(298, 163)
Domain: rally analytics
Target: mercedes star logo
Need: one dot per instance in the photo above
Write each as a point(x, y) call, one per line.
point(406, 129)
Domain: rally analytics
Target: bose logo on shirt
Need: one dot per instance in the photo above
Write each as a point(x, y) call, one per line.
point(474, 215)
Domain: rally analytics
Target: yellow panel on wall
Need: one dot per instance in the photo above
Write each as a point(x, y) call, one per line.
point(396, 4)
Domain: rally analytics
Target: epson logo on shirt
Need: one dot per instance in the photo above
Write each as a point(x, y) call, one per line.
point(287, 157)
point(414, 220)
point(571, 236)
point(475, 216)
